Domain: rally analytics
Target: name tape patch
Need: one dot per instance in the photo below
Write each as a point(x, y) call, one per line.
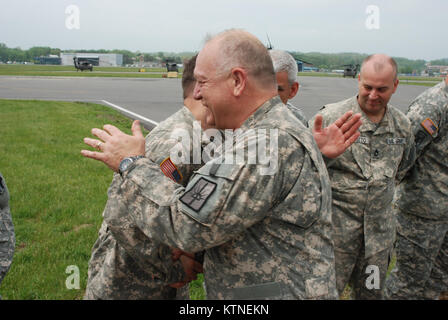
point(196, 197)
point(396, 140)
point(363, 140)
point(429, 126)
point(170, 170)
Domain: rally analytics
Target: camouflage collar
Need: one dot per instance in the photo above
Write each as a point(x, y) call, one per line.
point(445, 86)
point(260, 112)
point(385, 125)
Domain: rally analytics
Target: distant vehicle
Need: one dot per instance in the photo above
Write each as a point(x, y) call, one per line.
point(171, 67)
point(351, 70)
point(173, 70)
point(82, 64)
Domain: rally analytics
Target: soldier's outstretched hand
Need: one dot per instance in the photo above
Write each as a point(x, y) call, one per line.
point(337, 137)
point(114, 145)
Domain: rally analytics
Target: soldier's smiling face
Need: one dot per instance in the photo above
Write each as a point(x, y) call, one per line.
point(211, 87)
point(376, 87)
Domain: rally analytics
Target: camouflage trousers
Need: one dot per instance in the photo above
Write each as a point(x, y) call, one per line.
point(366, 276)
point(7, 242)
point(421, 271)
point(114, 275)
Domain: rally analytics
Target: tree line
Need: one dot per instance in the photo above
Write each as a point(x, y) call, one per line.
point(331, 61)
point(30, 55)
point(326, 61)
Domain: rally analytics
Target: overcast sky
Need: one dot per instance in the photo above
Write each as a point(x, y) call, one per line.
point(415, 29)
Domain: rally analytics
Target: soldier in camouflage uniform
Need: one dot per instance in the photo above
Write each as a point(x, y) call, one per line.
point(267, 233)
point(285, 68)
point(363, 179)
point(7, 236)
point(421, 270)
point(126, 264)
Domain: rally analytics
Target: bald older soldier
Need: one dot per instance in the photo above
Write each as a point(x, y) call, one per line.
point(421, 270)
point(285, 68)
point(266, 229)
point(363, 179)
point(124, 263)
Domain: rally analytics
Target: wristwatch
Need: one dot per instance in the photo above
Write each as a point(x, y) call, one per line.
point(126, 162)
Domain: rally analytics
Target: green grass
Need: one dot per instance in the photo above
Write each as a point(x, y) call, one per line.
point(70, 71)
point(424, 84)
point(56, 195)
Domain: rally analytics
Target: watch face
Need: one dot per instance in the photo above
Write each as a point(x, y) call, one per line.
point(125, 163)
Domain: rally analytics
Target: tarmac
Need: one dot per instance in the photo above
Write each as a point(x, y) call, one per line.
point(153, 100)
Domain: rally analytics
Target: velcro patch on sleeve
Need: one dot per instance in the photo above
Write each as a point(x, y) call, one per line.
point(170, 170)
point(196, 197)
point(429, 126)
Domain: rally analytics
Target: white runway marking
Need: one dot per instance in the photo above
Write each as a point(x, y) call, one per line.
point(135, 115)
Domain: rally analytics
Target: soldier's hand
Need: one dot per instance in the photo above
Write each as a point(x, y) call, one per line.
point(337, 137)
point(115, 145)
point(191, 267)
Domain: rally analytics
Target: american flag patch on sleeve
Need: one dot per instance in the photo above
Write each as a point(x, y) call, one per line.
point(170, 170)
point(429, 126)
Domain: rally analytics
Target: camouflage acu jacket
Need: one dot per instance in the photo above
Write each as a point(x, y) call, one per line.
point(424, 191)
point(363, 178)
point(125, 264)
point(297, 113)
point(267, 234)
point(7, 235)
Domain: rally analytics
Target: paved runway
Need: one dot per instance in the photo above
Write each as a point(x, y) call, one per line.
point(156, 99)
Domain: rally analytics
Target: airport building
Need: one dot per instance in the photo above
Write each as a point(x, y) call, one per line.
point(433, 70)
point(96, 59)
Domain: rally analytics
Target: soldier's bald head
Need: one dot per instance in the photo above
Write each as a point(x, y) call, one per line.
point(239, 48)
point(380, 63)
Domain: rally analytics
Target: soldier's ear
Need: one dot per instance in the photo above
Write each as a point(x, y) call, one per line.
point(294, 90)
point(239, 78)
point(396, 85)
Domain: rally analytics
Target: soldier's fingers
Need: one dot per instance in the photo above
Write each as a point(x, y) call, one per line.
point(318, 122)
point(352, 130)
point(112, 130)
point(178, 285)
point(353, 121)
point(136, 129)
point(94, 143)
point(352, 139)
point(94, 155)
point(341, 121)
point(197, 267)
point(103, 135)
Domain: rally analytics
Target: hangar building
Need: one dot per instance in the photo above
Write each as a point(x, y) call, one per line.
point(97, 59)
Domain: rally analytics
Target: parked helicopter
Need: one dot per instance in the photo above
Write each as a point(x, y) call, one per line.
point(351, 70)
point(82, 65)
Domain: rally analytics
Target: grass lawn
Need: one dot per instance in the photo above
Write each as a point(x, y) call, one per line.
point(57, 196)
point(70, 71)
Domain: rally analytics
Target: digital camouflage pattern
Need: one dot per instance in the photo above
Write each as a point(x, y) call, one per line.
point(7, 236)
point(126, 264)
point(421, 270)
point(265, 236)
point(298, 113)
point(363, 182)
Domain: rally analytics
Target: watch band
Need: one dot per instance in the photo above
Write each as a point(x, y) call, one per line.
point(125, 164)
